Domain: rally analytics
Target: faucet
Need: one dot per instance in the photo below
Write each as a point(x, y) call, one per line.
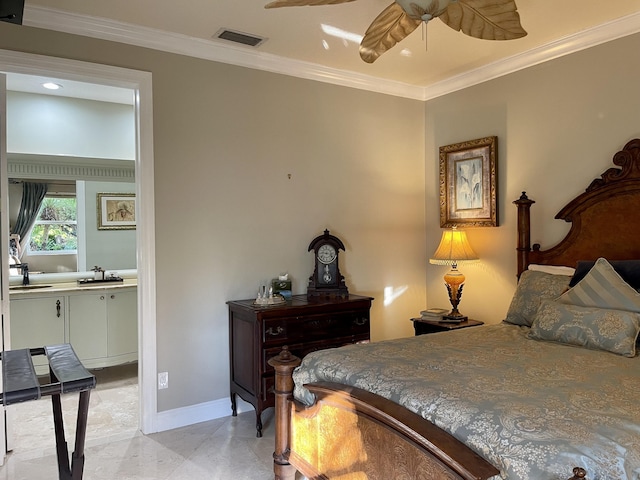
point(24, 267)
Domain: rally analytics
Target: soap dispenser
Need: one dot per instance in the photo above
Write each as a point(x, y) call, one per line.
point(98, 273)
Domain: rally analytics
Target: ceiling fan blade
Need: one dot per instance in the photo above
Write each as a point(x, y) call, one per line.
point(302, 3)
point(485, 19)
point(388, 28)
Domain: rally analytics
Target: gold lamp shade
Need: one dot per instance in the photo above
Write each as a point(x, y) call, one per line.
point(454, 248)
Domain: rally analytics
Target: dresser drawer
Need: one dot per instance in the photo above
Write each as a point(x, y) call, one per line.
point(300, 350)
point(279, 331)
point(268, 383)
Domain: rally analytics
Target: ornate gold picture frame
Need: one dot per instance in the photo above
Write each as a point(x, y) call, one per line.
point(116, 211)
point(468, 183)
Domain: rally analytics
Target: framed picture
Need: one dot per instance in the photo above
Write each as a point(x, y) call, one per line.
point(468, 180)
point(116, 211)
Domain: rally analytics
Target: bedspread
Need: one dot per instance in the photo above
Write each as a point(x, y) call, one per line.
point(533, 409)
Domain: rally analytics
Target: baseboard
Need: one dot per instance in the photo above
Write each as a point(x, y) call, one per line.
point(202, 412)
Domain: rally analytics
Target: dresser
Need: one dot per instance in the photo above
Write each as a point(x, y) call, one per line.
point(257, 333)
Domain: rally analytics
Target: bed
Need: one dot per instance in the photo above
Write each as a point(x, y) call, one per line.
point(550, 392)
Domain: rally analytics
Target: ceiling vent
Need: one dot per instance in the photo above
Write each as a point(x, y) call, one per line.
point(11, 11)
point(239, 37)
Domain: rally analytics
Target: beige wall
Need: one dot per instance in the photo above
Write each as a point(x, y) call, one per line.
point(558, 126)
point(363, 165)
point(227, 215)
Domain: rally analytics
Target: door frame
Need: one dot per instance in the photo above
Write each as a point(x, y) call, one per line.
point(4, 245)
point(141, 84)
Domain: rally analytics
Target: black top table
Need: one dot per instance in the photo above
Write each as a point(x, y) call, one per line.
point(66, 375)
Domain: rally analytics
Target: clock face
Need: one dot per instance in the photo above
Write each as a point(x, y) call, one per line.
point(326, 254)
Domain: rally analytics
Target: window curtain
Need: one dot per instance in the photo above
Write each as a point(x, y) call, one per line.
point(32, 196)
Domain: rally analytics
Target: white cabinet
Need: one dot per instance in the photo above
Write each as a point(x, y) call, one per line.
point(103, 326)
point(88, 325)
point(36, 322)
point(122, 323)
point(100, 324)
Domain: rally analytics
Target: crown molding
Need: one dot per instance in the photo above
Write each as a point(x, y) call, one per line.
point(105, 29)
point(55, 167)
point(604, 33)
point(68, 22)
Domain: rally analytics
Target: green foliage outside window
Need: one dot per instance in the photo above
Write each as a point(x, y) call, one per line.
point(56, 226)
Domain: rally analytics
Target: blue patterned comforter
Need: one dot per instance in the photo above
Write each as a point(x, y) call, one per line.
point(533, 409)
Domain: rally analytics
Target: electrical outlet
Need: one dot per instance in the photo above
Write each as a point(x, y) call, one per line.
point(163, 380)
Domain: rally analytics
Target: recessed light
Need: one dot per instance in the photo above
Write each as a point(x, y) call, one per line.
point(52, 86)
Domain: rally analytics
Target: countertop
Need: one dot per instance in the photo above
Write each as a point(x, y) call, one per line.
point(56, 287)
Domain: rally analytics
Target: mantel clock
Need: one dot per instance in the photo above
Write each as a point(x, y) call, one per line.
point(326, 278)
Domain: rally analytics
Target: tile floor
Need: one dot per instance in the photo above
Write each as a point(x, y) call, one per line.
point(226, 448)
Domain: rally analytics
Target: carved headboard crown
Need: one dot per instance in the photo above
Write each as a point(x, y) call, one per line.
point(605, 219)
point(628, 159)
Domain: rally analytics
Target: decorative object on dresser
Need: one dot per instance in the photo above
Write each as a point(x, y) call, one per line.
point(304, 324)
point(423, 326)
point(454, 248)
point(282, 286)
point(326, 278)
point(373, 424)
point(468, 183)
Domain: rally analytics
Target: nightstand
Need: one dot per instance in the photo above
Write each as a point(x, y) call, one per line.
point(423, 327)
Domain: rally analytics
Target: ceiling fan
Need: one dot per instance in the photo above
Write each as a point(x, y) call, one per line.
point(485, 19)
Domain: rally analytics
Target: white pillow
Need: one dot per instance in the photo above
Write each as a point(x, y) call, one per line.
point(552, 269)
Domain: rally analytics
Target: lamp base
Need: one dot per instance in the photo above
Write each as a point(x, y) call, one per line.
point(453, 318)
point(454, 281)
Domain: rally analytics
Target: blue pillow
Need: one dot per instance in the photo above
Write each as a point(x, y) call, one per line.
point(533, 287)
point(614, 331)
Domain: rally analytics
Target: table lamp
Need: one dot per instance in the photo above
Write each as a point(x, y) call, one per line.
point(454, 248)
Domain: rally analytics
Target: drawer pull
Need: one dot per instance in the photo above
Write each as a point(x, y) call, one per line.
point(360, 321)
point(57, 308)
point(273, 332)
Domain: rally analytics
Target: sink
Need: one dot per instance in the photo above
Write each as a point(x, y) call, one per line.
point(28, 287)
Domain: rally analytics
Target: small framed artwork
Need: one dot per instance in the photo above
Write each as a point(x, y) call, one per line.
point(468, 183)
point(116, 211)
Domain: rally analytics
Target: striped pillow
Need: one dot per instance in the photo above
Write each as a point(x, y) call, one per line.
point(602, 287)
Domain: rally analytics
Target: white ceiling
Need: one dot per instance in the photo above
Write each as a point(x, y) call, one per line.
point(431, 61)
point(69, 88)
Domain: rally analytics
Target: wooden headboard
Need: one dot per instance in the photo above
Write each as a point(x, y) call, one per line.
point(605, 219)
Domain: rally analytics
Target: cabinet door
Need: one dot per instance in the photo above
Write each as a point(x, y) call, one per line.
point(36, 322)
point(88, 325)
point(122, 322)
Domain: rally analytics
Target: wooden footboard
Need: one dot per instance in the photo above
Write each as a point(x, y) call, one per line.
point(352, 434)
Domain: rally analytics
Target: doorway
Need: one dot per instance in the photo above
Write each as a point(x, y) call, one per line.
point(140, 84)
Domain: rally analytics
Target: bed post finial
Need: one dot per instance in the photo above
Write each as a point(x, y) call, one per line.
point(524, 231)
point(284, 364)
point(579, 474)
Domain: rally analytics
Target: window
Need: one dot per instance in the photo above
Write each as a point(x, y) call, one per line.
point(55, 229)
